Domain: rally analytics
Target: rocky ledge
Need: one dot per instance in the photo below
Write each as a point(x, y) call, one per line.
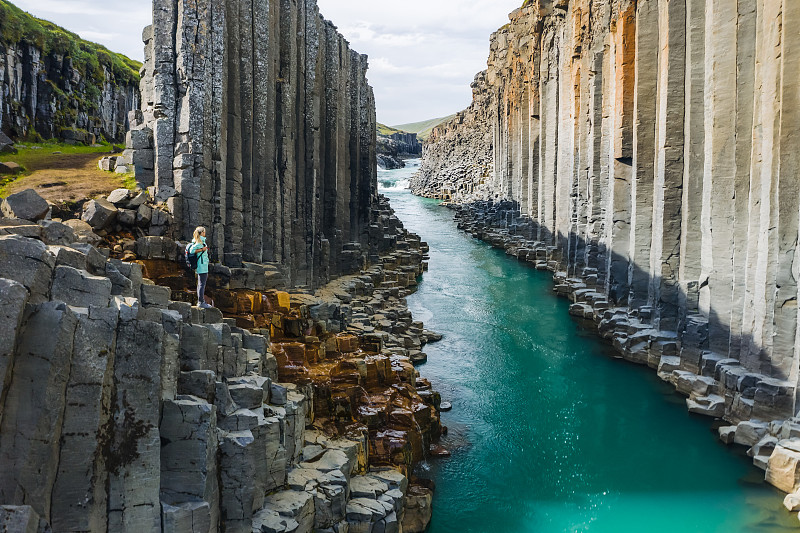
point(124, 407)
point(750, 407)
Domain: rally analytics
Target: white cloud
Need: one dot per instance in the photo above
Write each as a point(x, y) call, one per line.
point(116, 24)
point(423, 53)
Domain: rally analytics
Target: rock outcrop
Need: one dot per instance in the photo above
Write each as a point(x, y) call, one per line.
point(54, 85)
point(257, 122)
point(645, 150)
point(125, 408)
point(392, 148)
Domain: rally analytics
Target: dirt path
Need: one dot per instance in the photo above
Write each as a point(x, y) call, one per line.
point(63, 177)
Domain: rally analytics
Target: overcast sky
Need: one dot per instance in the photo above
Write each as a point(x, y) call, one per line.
point(423, 53)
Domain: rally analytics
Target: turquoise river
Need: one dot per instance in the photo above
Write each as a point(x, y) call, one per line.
point(550, 432)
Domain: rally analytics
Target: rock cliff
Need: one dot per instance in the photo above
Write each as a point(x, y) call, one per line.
point(57, 86)
point(257, 121)
point(391, 149)
point(647, 152)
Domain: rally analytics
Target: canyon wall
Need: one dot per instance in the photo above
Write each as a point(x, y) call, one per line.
point(124, 408)
point(54, 85)
point(648, 152)
point(257, 122)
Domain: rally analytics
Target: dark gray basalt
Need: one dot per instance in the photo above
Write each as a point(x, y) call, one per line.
point(257, 122)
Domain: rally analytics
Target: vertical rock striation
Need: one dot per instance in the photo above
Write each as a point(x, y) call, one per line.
point(257, 121)
point(648, 152)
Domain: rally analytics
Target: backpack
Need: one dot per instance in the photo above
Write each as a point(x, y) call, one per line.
point(190, 257)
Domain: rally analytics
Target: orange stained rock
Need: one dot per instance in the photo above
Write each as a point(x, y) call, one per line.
point(346, 342)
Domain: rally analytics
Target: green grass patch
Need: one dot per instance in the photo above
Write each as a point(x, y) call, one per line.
point(129, 181)
point(383, 129)
point(35, 156)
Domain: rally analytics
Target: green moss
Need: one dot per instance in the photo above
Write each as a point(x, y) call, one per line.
point(129, 181)
point(87, 58)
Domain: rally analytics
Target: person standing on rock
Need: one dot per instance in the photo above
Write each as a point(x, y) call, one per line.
point(200, 248)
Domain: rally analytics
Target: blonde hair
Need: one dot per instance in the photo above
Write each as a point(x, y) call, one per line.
point(198, 231)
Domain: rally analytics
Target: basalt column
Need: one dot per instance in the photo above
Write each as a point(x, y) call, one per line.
point(647, 152)
point(258, 121)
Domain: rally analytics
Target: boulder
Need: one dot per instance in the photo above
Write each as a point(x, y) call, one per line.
point(792, 502)
point(57, 233)
point(783, 467)
point(6, 144)
point(107, 163)
point(120, 197)
point(83, 231)
point(749, 432)
point(9, 167)
point(127, 217)
point(25, 204)
point(99, 213)
point(139, 199)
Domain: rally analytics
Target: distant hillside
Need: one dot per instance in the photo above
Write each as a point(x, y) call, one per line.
point(423, 129)
point(383, 129)
point(84, 90)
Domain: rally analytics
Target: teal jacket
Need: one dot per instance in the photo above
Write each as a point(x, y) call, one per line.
point(202, 257)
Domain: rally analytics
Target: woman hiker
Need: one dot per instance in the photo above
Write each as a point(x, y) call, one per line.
point(199, 247)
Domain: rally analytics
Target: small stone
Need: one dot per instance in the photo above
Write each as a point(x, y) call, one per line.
point(792, 502)
point(10, 167)
point(727, 434)
point(119, 197)
point(439, 451)
point(27, 205)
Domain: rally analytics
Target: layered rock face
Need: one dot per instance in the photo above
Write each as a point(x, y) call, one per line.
point(55, 85)
point(392, 148)
point(647, 151)
point(257, 121)
point(44, 95)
